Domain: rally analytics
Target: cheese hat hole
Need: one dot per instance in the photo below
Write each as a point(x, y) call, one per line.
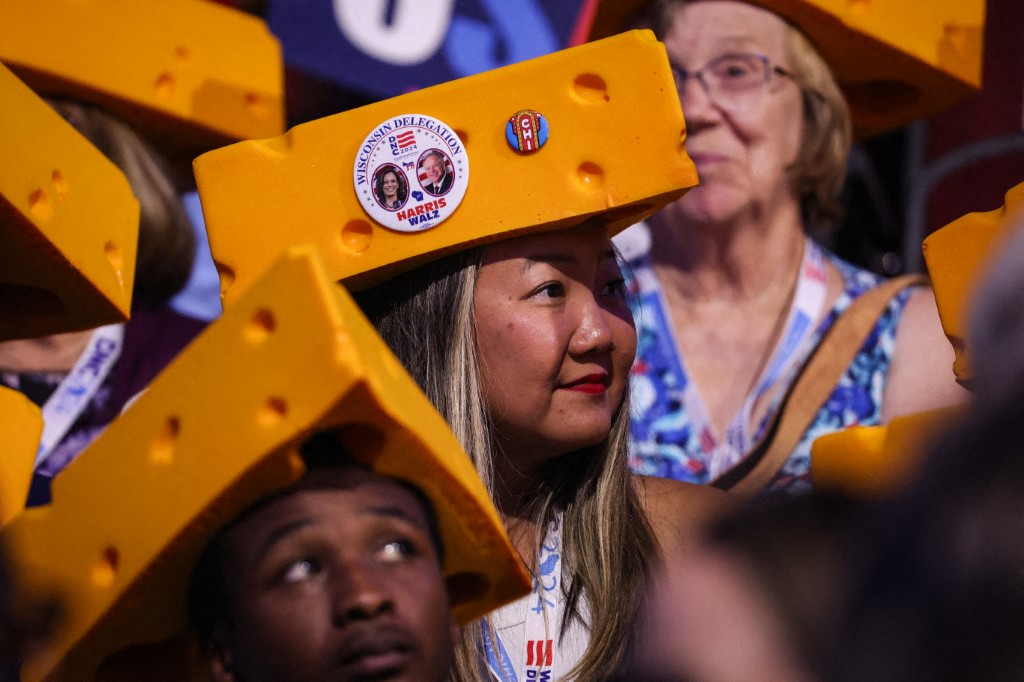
point(273, 411)
point(590, 175)
point(114, 257)
point(591, 88)
point(260, 327)
point(959, 37)
point(60, 185)
point(161, 451)
point(105, 569)
point(165, 84)
point(860, 6)
point(881, 97)
point(466, 587)
point(356, 236)
point(365, 442)
point(463, 135)
point(25, 301)
point(182, 53)
point(226, 276)
point(256, 105)
point(40, 206)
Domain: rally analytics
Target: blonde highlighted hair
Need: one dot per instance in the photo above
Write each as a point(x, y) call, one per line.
point(609, 549)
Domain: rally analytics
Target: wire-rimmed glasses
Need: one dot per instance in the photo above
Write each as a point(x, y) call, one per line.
point(730, 78)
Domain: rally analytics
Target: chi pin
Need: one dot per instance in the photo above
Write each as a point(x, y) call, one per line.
point(527, 131)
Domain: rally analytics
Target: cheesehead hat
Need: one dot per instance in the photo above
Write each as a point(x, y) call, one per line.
point(869, 460)
point(68, 223)
point(956, 256)
point(21, 422)
point(217, 431)
point(190, 74)
point(896, 62)
point(872, 461)
point(591, 131)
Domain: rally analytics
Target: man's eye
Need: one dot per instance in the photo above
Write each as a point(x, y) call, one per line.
point(301, 570)
point(396, 550)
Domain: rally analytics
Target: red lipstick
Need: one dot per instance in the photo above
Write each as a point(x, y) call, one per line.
point(592, 384)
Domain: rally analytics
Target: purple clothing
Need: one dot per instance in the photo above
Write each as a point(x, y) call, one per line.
point(152, 338)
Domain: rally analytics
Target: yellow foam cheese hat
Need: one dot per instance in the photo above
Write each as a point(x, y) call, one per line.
point(21, 422)
point(217, 431)
point(68, 223)
point(877, 460)
point(956, 257)
point(190, 74)
point(896, 62)
point(614, 149)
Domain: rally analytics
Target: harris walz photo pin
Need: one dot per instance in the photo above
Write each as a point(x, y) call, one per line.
point(411, 173)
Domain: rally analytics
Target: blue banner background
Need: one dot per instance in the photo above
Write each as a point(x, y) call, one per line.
point(478, 35)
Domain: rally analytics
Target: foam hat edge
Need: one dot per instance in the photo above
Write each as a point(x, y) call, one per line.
point(215, 432)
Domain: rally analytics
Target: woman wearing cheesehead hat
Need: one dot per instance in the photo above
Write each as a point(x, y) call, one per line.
point(284, 488)
point(753, 339)
point(504, 300)
point(199, 75)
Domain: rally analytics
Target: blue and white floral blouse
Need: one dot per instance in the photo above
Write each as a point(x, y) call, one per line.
point(664, 441)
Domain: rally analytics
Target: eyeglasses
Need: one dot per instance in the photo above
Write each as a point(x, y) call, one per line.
point(731, 77)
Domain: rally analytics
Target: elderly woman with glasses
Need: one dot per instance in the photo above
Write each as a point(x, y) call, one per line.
point(735, 298)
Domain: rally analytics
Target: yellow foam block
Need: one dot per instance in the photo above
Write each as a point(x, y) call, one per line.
point(615, 148)
point(22, 424)
point(191, 74)
point(68, 223)
point(876, 460)
point(217, 431)
point(895, 61)
point(956, 256)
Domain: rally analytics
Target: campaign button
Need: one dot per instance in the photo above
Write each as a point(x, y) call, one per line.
point(527, 131)
point(411, 173)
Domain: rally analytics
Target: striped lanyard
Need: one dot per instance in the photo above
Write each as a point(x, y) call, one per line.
point(789, 353)
point(538, 657)
point(67, 403)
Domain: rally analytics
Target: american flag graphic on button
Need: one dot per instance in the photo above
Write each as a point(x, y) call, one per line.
point(405, 139)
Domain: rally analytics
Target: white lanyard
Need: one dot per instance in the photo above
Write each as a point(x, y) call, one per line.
point(66, 404)
point(539, 656)
point(789, 352)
